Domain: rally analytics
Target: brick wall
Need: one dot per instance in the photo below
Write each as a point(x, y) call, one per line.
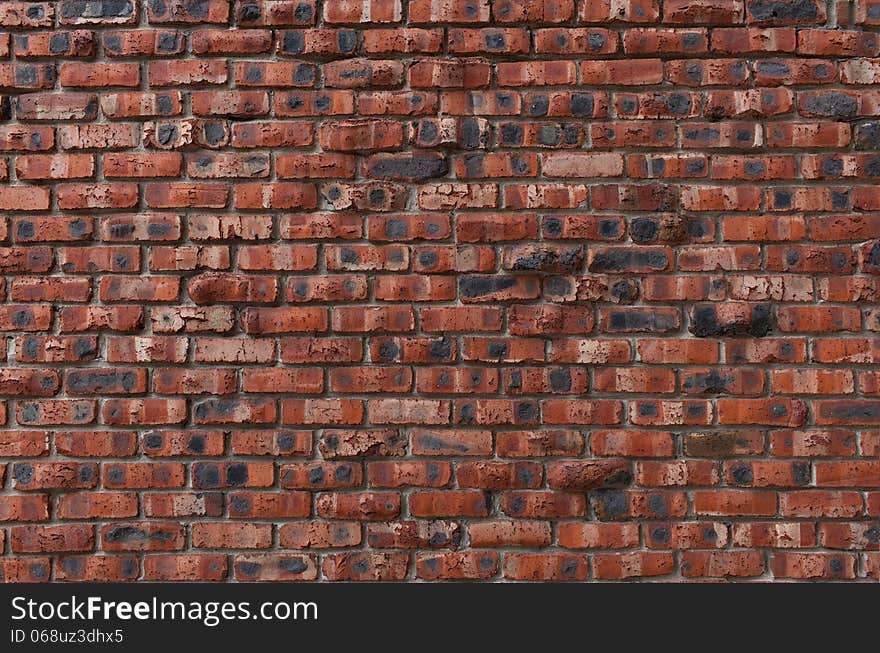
point(429, 289)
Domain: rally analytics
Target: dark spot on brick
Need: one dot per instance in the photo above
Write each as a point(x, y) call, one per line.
point(704, 134)
point(472, 137)
point(660, 534)
point(762, 321)
point(410, 168)
point(754, 168)
point(621, 259)
point(427, 259)
point(293, 565)
point(525, 412)
point(316, 476)
point(773, 68)
point(158, 7)
point(22, 319)
point(196, 443)
point(303, 12)
point(480, 286)
point(112, 43)
point(801, 473)
point(116, 474)
point(343, 473)
point(560, 380)
point(549, 135)
point(832, 105)
point(781, 10)
point(839, 199)
point(609, 228)
point(596, 40)
point(25, 230)
point(849, 412)
point(518, 165)
point(347, 255)
point(377, 197)
point(249, 12)
point(694, 72)
point(428, 131)
point(72, 565)
point(679, 104)
point(553, 226)
point(361, 566)
point(433, 472)
point(581, 104)
point(388, 350)
point(691, 41)
point(505, 100)
point(872, 167)
point(473, 163)
point(153, 441)
point(293, 43)
point(614, 504)
point(625, 291)
point(166, 134)
point(23, 473)
point(347, 40)
point(207, 475)
point(644, 230)
point(742, 474)
point(25, 75)
point(511, 134)
point(711, 383)
point(657, 505)
point(873, 257)
point(237, 474)
point(254, 75)
point(547, 260)
point(648, 409)
point(240, 505)
point(286, 442)
point(539, 106)
point(441, 349)
point(30, 413)
point(695, 167)
point(557, 286)
point(495, 41)
point(31, 348)
point(641, 321)
point(59, 43)
point(168, 42)
point(832, 167)
point(249, 568)
point(164, 105)
point(868, 135)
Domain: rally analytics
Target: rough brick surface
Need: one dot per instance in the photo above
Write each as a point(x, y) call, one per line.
point(440, 289)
